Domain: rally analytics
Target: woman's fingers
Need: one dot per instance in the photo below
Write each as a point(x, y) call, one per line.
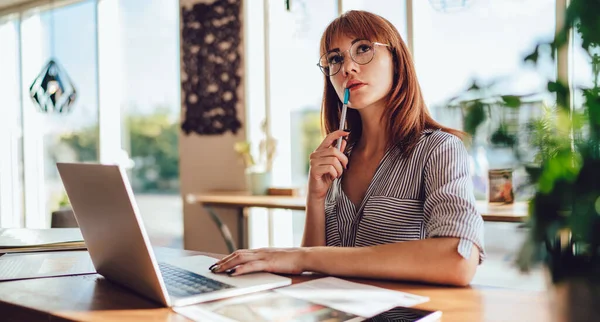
point(234, 259)
point(339, 169)
point(331, 139)
point(254, 266)
point(315, 157)
point(322, 170)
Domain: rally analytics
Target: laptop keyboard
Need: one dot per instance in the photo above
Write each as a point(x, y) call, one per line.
point(182, 283)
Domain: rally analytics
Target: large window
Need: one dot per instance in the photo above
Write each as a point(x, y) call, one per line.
point(150, 109)
point(124, 64)
point(485, 42)
point(11, 175)
point(53, 137)
point(296, 88)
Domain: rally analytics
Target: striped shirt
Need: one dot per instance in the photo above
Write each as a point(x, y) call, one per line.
point(428, 194)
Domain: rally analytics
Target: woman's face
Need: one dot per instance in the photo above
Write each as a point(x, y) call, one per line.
point(369, 83)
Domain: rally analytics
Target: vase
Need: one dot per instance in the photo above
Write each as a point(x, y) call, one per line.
point(575, 299)
point(258, 182)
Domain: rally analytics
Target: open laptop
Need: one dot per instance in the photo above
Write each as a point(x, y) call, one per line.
point(105, 209)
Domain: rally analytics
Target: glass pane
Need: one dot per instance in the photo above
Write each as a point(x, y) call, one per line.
point(67, 137)
point(394, 11)
point(487, 42)
point(11, 178)
point(581, 69)
point(150, 103)
point(296, 93)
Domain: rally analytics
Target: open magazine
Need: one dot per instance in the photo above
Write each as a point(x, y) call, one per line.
point(264, 307)
point(328, 299)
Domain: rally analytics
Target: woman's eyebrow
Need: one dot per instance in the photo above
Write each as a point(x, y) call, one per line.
point(352, 43)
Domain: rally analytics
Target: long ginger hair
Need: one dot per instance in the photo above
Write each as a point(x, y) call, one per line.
point(406, 115)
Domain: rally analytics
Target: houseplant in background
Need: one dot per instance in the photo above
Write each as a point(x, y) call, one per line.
point(565, 173)
point(258, 170)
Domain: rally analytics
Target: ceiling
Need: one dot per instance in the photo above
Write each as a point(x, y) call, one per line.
point(9, 3)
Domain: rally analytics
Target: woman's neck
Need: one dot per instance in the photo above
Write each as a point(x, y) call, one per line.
point(373, 139)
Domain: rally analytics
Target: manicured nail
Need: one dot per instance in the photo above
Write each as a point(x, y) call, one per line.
point(347, 130)
point(230, 271)
point(216, 268)
point(211, 266)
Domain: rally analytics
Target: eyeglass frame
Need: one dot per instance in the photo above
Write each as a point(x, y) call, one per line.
point(373, 43)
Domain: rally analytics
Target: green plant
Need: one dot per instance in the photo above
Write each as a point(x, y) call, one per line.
point(153, 145)
point(266, 151)
point(565, 208)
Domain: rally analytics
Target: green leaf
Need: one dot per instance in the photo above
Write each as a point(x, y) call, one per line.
point(474, 116)
point(533, 57)
point(512, 100)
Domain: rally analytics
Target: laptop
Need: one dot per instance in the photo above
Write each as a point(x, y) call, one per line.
point(112, 228)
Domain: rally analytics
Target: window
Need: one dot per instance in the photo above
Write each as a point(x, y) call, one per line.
point(11, 175)
point(487, 42)
point(296, 87)
point(126, 56)
point(394, 11)
point(49, 137)
point(150, 108)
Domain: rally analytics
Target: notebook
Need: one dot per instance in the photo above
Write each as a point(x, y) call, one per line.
point(14, 240)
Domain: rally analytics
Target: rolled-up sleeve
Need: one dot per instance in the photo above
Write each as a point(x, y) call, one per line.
point(449, 206)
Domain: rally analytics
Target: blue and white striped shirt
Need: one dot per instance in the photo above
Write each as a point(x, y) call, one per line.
point(428, 194)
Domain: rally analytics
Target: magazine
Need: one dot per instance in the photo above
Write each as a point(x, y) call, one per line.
point(264, 307)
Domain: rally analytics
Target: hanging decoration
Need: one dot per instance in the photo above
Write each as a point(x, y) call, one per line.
point(52, 90)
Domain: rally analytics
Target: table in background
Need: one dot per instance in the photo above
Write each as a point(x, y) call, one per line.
point(240, 201)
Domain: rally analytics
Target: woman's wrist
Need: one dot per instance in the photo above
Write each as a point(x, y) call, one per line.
point(315, 200)
point(307, 255)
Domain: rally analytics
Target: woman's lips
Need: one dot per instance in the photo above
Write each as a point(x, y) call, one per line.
point(355, 87)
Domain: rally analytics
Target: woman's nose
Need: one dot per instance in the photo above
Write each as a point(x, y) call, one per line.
point(349, 65)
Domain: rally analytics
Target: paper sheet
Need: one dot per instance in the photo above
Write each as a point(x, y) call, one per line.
point(23, 266)
point(264, 307)
point(355, 298)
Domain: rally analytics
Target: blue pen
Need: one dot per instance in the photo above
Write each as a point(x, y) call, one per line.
point(343, 118)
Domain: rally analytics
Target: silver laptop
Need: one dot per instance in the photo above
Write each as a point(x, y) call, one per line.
point(112, 228)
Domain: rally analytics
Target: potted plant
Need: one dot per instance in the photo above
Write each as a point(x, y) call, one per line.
point(564, 210)
point(258, 170)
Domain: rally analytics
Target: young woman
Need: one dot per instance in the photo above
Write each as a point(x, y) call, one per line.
point(398, 202)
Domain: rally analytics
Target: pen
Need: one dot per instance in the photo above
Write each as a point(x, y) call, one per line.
point(343, 118)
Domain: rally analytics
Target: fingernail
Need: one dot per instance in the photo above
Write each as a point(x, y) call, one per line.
point(230, 271)
point(211, 266)
point(216, 268)
point(347, 130)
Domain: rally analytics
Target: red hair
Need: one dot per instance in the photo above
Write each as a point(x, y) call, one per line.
point(407, 115)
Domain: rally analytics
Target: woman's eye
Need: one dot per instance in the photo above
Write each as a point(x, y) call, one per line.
point(363, 49)
point(334, 60)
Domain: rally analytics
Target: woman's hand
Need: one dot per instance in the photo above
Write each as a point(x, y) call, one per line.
point(274, 260)
point(326, 164)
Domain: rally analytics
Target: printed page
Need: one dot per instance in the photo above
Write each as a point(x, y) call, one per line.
point(355, 298)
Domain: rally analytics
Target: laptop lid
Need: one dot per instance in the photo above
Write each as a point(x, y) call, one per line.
point(110, 223)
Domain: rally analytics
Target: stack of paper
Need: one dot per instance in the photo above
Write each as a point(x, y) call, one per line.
point(14, 240)
point(36, 265)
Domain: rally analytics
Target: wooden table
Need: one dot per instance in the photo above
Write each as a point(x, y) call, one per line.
point(516, 212)
point(92, 298)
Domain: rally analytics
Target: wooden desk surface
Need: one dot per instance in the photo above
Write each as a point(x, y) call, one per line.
point(516, 212)
point(92, 298)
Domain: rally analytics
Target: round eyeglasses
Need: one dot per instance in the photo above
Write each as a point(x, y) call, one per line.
point(361, 52)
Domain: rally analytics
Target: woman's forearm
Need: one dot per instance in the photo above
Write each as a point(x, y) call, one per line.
point(434, 260)
point(314, 227)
